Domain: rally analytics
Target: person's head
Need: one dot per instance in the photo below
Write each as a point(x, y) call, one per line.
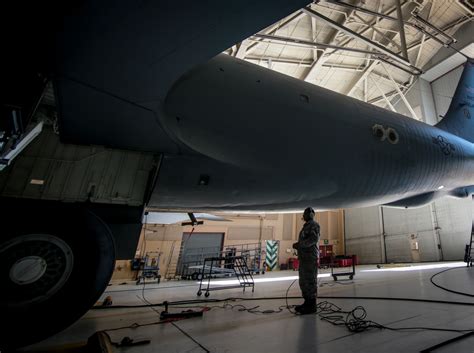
point(308, 214)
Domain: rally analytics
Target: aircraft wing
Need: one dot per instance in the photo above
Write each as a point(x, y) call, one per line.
point(117, 61)
point(174, 217)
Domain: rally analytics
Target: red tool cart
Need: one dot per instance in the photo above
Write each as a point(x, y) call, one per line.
point(293, 263)
point(343, 262)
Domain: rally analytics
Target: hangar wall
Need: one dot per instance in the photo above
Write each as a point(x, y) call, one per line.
point(443, 90)
point(241, 229)
point(379, 234)
point(383, 234)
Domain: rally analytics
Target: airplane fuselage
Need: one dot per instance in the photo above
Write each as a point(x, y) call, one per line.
point(284, 144)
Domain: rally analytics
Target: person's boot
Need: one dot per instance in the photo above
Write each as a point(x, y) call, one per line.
point(309, 307)
point(300, 307)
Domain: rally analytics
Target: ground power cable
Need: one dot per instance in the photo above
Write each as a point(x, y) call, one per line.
point(190, 337)
point(448, 289)
point(172, 321)
point(234, 299)
point(354, 320)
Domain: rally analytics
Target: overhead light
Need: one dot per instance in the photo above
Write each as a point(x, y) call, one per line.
point(440, 187)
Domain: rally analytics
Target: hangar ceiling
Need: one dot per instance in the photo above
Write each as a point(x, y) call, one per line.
point(356, 47)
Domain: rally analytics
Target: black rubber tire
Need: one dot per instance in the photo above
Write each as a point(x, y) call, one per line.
point(92, 245)
point(199, 293)
point(207, 294)
point(194, 276)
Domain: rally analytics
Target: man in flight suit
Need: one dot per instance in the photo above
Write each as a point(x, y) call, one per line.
point(307, 247)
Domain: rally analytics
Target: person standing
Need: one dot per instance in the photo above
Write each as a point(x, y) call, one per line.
point(307, 247)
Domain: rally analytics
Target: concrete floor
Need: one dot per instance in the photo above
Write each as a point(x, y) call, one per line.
point(227, 330)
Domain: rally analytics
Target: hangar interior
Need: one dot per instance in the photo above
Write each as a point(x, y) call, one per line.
point(406, 56)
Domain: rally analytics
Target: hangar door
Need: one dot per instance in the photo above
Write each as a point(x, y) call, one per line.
point(410, 235)
point(195, 248)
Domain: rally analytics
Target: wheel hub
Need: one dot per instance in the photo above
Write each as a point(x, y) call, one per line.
point(28, 270)
point(33, 268)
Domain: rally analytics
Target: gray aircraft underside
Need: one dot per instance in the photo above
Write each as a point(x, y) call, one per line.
point(236, 136)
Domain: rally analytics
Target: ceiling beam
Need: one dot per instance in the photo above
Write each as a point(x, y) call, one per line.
point(380, 98)
point(401, 27)
point(305, 63)
point(357, 36)
point(376, 30)
point(323, 57)
point(387, 101)
point(275, 27)
point(401, 94)
point(363, 75)
point(453, 24)
point(307, 44)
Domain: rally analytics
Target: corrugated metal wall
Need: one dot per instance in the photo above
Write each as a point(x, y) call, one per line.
point(455, 222)
point(438, 231)
point(363, 235)
point(443, 90)
point(411, 235)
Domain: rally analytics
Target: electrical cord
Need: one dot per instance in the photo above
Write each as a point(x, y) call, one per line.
point(354, 320)
point(233, 299)
point(286, 298)
point(447, 342)
point(447, 289)
point(190, 337)
point(172, 321)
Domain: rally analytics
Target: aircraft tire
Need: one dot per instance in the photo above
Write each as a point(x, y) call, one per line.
point(53, 268)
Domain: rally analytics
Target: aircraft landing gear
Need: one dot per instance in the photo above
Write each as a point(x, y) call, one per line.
point(54, 265)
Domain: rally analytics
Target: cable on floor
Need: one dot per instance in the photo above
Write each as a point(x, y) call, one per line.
point(447, 342)
point(354, 320)
point(191, 338)
point(233, 299)
point(447, 289)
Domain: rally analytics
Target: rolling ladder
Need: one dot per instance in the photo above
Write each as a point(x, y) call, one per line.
point(468, 253)
point(172, 264)
point(236, 264)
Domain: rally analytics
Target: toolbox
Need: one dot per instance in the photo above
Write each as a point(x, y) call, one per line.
point(343, 262)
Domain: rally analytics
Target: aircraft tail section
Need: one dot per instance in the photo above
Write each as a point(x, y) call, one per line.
point(459, 119)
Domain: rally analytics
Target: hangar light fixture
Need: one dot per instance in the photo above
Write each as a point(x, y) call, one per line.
point(263, 280)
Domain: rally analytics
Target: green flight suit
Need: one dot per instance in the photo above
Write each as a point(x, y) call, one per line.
point(308, 259)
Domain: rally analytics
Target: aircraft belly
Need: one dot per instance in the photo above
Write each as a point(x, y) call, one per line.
point(201, 183)
point(265, 141)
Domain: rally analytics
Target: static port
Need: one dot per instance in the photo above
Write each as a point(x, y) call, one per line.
point(393, 137)
point(379, 132)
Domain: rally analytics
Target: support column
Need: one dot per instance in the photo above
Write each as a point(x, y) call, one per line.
point(401, 27)
point(428, 107)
